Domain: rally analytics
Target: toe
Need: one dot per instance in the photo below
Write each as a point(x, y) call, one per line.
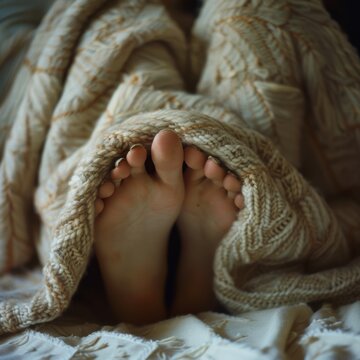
point(194, 158)
point(136, 158)
point(214, 171)
point(99, 206)
point(167, 155)
point(121, 170)
point(106, 190)
point(239, 201)
point(195, 161)
point(232, 183)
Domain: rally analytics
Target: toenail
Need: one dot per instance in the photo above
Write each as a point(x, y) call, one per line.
point(118, 161)
point(135, 146)
point(216, 161)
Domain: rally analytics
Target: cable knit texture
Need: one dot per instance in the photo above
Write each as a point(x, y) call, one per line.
point(278, 93)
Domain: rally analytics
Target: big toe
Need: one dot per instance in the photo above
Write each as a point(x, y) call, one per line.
point(167, 155)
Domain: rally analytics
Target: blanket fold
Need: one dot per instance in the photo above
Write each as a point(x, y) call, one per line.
point(101, 76)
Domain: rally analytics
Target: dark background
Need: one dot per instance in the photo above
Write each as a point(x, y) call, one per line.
point(347, 14)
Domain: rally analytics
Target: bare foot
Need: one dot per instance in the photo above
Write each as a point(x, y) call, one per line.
point(132, 228)
point(212, 201)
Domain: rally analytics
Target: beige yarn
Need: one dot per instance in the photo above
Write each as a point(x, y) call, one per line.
point(276, 78)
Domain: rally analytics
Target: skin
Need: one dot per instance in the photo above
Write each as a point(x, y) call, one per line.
point(135, 213)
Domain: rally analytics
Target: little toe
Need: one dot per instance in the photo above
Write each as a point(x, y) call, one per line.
point(106, 190)
point(121, 170)
point(214, 171)
point(232, 183)
point(168, 156)
point(136, 158)
point(239, 201)
point(99, 206)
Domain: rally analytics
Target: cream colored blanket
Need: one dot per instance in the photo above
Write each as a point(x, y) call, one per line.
point(278, 90)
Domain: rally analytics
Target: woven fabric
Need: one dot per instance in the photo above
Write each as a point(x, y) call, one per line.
point(277, 95)
point(289, 332)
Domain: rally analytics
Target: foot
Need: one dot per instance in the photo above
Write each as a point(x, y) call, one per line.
point(211, 204)
point(132, 226)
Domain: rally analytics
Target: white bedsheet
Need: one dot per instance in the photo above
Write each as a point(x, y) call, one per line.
point(292, 332)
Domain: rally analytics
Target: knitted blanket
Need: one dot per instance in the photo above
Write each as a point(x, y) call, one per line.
point(277, 99)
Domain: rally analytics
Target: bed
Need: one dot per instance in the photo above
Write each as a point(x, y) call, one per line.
point(291, 299)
